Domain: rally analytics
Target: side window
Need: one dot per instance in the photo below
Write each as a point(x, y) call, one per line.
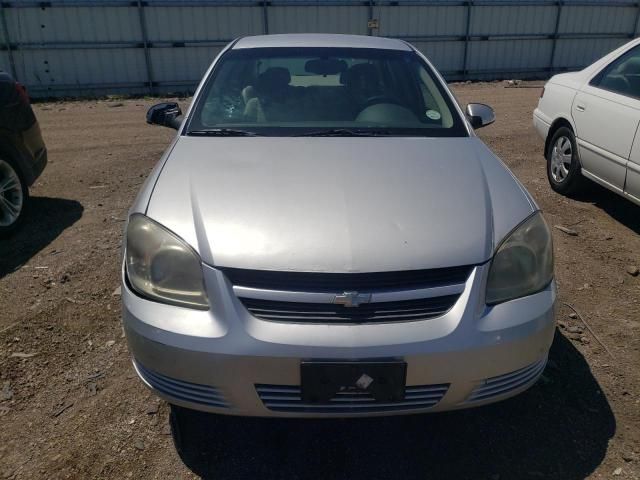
point(622, 75)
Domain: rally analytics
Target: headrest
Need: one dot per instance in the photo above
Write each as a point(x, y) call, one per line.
point(617, 83)
point(359, 72)
point(631, 67)
point(275, 78)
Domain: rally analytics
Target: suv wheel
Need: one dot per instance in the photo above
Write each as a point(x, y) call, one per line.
point(13, 197)
point(563, 164)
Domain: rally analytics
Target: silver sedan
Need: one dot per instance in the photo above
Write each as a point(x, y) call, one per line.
point(326, 236)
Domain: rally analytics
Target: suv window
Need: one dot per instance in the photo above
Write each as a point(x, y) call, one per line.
point(622, 75)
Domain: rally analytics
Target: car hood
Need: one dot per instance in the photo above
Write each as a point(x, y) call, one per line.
point(319, 204)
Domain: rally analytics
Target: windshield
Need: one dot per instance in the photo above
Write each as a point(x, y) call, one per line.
point(324, 91)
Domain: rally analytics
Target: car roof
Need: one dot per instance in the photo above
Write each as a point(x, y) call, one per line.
point(321, 40)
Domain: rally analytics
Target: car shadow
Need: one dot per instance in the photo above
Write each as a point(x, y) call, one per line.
point(46, 218)
point(619, 208)
point(559, 428)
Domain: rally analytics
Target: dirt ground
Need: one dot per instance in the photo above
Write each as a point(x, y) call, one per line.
point(72, 407)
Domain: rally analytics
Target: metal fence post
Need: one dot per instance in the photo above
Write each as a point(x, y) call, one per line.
point(635, 25)
point(5, 30)
point(265, 17)
point(466, 40)
point(370, 18)
point(145, 43)
point(555, 36)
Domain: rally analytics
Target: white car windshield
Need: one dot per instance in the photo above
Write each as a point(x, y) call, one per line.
point(318, 91)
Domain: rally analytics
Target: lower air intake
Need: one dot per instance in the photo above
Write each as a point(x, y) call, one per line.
point(285, 398)
point(502, 384)
point(181, 390)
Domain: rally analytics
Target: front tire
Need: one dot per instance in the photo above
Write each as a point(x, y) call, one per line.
point(563, 163)
point(189, 429)
point(14, 196)
point(180, 422)
point(197, 435)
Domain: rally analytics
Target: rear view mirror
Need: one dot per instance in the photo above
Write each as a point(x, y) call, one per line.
point(325, 66)
point(167, 114)
point(480, 115)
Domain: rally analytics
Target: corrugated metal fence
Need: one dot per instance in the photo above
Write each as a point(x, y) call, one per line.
point(95, 47)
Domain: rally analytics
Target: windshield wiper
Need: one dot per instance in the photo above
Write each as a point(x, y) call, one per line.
point(345, 132)
point(223, 132)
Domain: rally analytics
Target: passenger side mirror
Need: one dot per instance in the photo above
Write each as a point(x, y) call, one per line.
point(480, 115)
point(167, 114)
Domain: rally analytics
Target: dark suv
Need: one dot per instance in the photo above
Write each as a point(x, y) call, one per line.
point(23, 154)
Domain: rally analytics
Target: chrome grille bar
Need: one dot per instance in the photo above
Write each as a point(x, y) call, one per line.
point(410, 310)
point(325, 297)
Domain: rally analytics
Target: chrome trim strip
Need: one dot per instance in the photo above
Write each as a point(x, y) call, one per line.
point(633, 166)
point(322, 297)
point(400, 295)
point(283, 295)
point(600, 181)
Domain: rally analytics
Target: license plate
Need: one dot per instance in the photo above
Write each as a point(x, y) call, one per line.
point(322, 381)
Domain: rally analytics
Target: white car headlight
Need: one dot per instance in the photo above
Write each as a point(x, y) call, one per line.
point(523, 264)
point(161, 266)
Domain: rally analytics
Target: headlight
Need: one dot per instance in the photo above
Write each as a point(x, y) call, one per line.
point(162, 266)
point(523, 264)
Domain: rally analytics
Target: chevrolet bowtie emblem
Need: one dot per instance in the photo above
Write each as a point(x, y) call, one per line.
point(352, 299)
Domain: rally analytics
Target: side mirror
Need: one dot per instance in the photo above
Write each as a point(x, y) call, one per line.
point(167, 114)
point(480, 115)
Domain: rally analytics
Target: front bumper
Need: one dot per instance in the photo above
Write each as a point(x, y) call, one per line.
point(37, 153)
point(226, 361)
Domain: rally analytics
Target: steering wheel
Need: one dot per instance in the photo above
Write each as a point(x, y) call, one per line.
point(376, 99)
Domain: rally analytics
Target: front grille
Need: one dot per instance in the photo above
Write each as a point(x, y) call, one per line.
point(495, 386)
point(341, 282)
point(286, 398)
point(409, 310)
point(181, 390)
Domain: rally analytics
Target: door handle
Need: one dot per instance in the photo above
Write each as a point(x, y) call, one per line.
point(580, 108)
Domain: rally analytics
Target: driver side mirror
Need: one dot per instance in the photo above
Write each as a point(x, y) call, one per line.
point(167, 114)
point(480, 115)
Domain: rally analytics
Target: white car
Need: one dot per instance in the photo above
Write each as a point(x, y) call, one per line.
point(589, 121)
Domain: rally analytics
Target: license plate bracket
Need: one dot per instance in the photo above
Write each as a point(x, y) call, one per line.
point(321, 381)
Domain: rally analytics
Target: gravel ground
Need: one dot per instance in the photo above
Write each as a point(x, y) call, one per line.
point(72, 407)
